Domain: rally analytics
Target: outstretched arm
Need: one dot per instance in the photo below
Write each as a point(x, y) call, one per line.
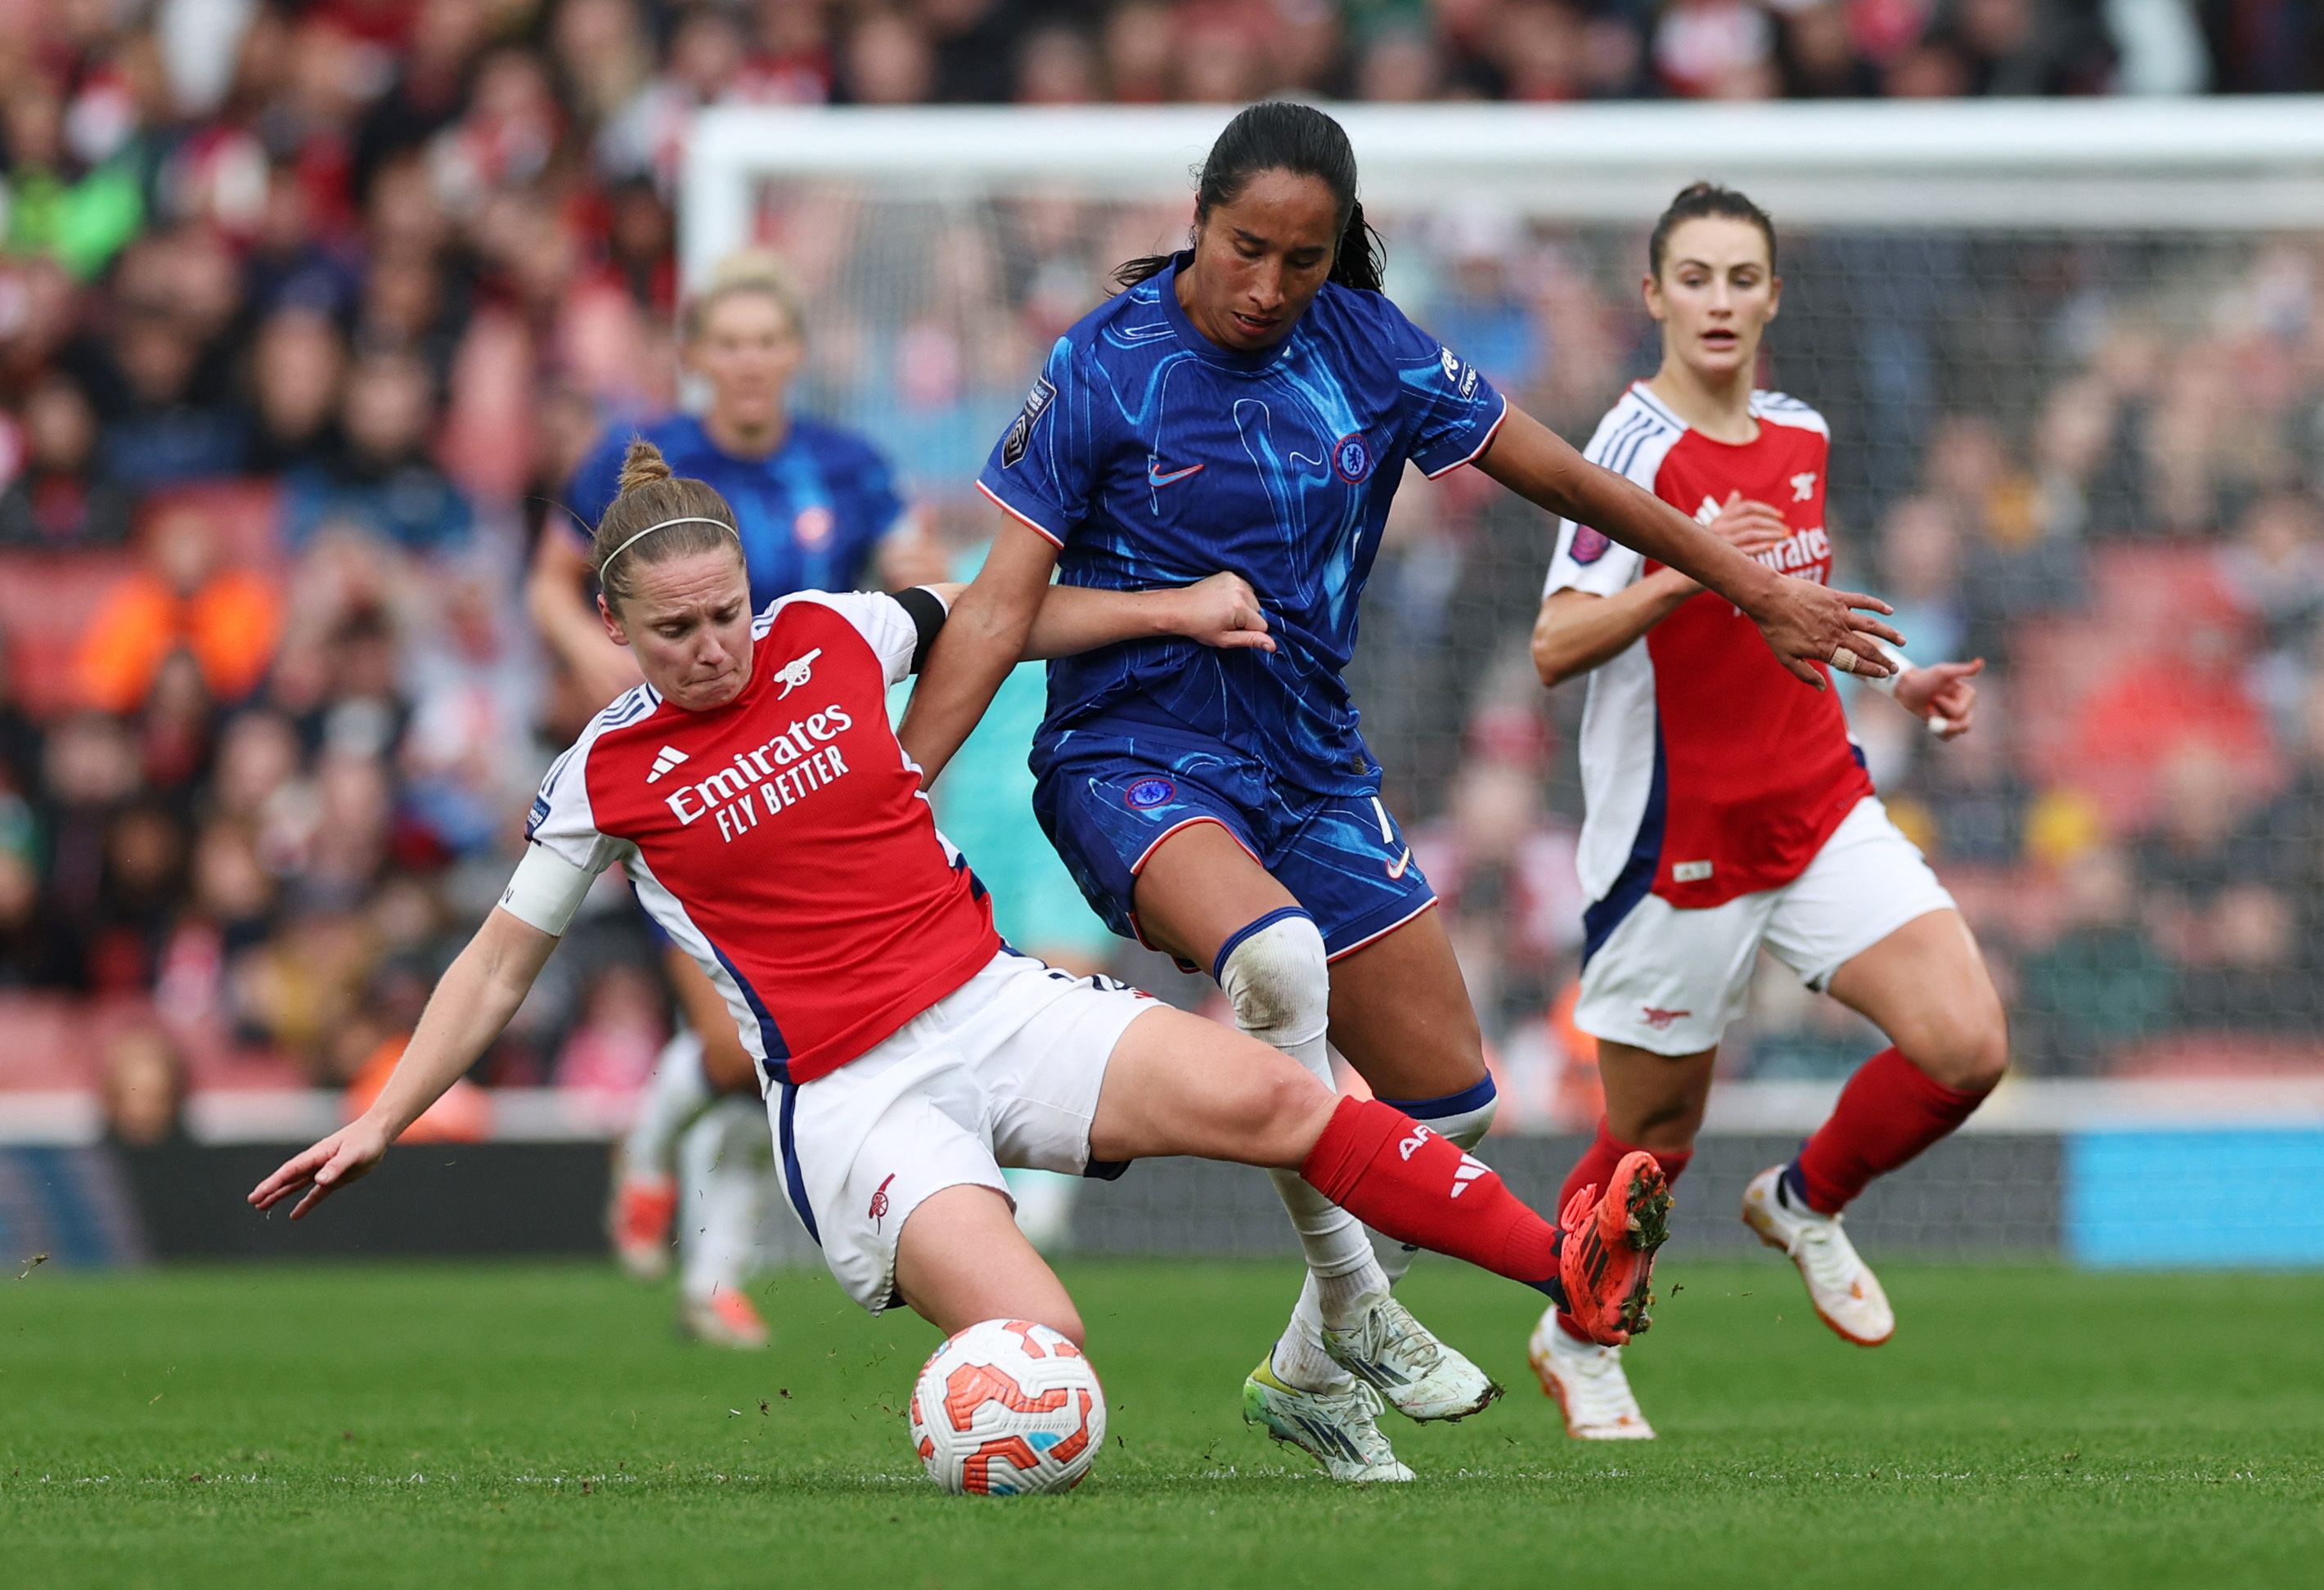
point(478, 995)
point(1010, 612)
point(1804, 623)
point(1576, 630)
point(1222, 612)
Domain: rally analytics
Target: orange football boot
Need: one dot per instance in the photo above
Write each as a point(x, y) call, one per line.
point(1607, 1264)
point(639, 1223)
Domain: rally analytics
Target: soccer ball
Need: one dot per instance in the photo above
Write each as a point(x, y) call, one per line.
point(1008, 1408)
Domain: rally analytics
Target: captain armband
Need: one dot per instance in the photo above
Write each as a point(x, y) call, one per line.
point(928, 613)
point(546, 890)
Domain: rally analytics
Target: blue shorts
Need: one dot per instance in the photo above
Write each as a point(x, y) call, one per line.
point(1108, 799)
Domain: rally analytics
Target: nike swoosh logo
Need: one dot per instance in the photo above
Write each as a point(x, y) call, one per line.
point(1154, 477)
point(1396, 868)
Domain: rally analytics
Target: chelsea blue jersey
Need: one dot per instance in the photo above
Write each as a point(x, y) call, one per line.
point(1154, 457)
point(809, 513)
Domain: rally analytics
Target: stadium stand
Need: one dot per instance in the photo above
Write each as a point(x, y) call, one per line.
point(341, 290)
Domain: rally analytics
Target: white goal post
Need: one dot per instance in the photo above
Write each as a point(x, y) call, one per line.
point(2241, 164)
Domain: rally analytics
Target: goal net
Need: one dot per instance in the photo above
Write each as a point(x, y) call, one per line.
point(2073, 356)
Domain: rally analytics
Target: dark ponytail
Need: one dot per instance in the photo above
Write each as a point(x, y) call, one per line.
point(1279, 135)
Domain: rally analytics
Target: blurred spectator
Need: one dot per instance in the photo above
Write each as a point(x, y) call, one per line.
point(143, 877)
point(78, 214)
point(184, 597)
point(2100, 984)
point(1529, 50)
point(1818, 51)
point(974, 48)
point(2217, 901)
point(888, 61)
point(1400, 65)
point(624, 1025)
point(296, 367)
point(2179, 705)
point(145, 1088)
point(1057, 66)
point(1140, 51)
point(61, 503)
point(1716, 49)
point(1505, 869)
point(381, 481)
point(1920, 577)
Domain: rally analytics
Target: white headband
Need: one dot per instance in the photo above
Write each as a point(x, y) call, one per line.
point(691, 519)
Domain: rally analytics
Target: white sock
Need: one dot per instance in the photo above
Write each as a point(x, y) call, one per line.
point(1279, 984)
point(1464, 1128)
point(673, 1100)
point(728, 1164)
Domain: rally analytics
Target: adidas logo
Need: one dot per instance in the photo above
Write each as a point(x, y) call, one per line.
point(666, 758)
point(1468, 1171)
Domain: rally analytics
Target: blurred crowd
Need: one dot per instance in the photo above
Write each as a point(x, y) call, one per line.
point(308, 313)
point(2095, 462)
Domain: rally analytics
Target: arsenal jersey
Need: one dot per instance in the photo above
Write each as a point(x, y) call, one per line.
point(783, 840)
point(1710, 771)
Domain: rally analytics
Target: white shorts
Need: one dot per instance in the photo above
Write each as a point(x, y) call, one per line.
point(1003, 1071)
point(1668, 981)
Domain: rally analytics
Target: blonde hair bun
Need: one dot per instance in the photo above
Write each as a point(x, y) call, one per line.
point(642, 465)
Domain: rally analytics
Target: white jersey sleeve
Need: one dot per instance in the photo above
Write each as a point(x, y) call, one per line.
point(1633, 439)
point(882, 620)
point(562, 822)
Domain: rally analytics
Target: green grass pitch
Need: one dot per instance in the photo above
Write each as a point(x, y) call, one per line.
point(540, 1426)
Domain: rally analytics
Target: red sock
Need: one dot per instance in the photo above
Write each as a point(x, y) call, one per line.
point(1400, 1178)
point(1890, 1111)
point(1595, 1168)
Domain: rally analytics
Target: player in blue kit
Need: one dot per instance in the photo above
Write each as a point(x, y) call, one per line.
point(816, 506)
point(1250, 404)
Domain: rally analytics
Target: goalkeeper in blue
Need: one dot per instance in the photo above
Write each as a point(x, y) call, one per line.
point(1250, 404)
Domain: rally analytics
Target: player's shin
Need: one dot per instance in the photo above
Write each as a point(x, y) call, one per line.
point(1274, 974)
point(1462, 1119)
point(1396, 1175)
point(1887, 1113)
point(674, 1099)
point(1401, 1178)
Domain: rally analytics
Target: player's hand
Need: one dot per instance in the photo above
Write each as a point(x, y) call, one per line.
point(1941, 692)
point(1750, 527)
point(1223, 610)
point(348, 1154)
point(1805, 623)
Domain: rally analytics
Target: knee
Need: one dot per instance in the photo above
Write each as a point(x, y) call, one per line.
point(1289, 1110)
point(1965, 1050)
point(1279, 981)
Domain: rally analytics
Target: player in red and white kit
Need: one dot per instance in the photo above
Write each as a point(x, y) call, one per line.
point(1729, 811)
point(772, 823)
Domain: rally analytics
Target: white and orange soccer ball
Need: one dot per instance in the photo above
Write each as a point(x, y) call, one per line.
point(1008, 1408)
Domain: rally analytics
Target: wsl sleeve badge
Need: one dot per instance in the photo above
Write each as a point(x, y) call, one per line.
point(1020, 435)
point(1589, 544)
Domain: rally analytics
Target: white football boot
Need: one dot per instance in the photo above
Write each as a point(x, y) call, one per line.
point(1847, 1295)
point(1338, 1429)
point(1587, 1382)
point(1414, 1373)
